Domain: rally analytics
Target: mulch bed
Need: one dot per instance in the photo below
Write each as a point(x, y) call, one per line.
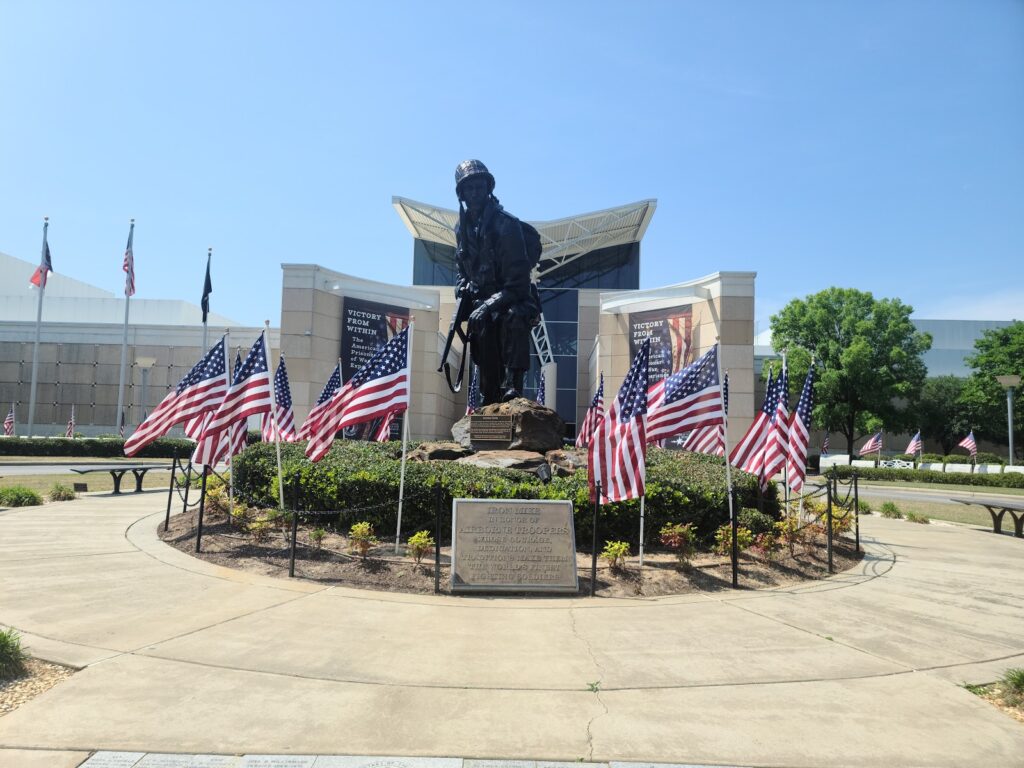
point(40, 677)
point(227, 545)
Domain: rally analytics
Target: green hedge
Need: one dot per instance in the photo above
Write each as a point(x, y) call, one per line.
point(1005, 480)
point(92, 446)
point(360, 481)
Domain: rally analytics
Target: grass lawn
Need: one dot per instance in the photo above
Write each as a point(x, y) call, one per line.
point(97, 481)
point(951, 511)
point(944, 487)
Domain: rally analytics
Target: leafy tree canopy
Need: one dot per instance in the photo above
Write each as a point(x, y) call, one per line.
point(998, 352)
point(868, 356)
point(940, 414)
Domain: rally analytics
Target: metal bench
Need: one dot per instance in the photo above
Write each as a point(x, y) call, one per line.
point(118, 472)
point(997, 509)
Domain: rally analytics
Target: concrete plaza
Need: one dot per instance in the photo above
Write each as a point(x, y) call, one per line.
point(180, 656)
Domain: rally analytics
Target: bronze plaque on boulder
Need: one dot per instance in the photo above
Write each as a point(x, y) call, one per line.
point(490, 429)
point(506, 545)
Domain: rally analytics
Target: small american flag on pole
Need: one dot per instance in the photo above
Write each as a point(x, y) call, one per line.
point(70, 430)
point(129, 264)
point(874, 445)
point(800, 435)
point(9, 423)
point(970, 444)
point(249, 392)
point(686, 400)
point(473, 397)
point(380, 387)
point(200, 391)
point(594, 415)
point(216, 447)
point(541, 389)
point(120, 427)
point(710, 440)
point(285, 417)
point(916, 445)
point(333, 385)
point(824, 445)
point(776, 443)
point(383, 433)
point(617, 458)
point(747, 454)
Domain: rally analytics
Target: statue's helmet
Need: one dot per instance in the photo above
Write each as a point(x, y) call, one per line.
point(469, 168)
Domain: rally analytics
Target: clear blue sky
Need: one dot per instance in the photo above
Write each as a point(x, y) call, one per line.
point(875, 144)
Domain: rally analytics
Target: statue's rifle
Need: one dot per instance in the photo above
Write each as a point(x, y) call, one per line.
point(462, 313)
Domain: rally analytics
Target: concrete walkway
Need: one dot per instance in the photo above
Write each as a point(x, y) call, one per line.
point(180, 656)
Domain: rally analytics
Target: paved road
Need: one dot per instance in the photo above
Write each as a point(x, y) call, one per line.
point(6, 470)
point(183, 656)
point(933, 496)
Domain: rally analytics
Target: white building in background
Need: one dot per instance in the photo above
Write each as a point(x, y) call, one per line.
point(80, 350)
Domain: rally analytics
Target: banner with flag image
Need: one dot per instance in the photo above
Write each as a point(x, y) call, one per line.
point(617, 459)
point(200, 391)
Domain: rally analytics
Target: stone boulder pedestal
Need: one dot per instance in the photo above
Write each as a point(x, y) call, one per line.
point(527, 461)
point(534, 427)
point(438, 451)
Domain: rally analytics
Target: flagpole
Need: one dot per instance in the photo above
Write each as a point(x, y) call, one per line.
point(35, 346)
point(642, 500)
point(124, 337)
point(785, 466)
point(405, 440)
point(273, 415)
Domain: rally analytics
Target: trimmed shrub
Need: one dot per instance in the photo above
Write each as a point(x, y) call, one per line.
point(755, 521)
point(19, 496)
point(680, 538)
point(723, 539)
point(61, 493)
point(12, 655)
point(93, 446)
point(420, 544)
point(1005, 480)
point(359, 481)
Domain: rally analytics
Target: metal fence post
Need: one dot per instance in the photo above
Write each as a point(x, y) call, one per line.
point(734, 549)
point(593, 552)
point(828, 529)
point(856, 510)
point(295, 527)
point(170, 491)
point(437, 537)
point(202, 507)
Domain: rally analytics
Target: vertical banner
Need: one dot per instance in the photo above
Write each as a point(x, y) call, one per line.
point(670, 333)
point(366, 326)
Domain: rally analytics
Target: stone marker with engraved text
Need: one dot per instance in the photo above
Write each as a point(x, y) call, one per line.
point(503, 545)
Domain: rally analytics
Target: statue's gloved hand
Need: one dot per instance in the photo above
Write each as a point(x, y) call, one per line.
point(466, 288)
point(487, 309)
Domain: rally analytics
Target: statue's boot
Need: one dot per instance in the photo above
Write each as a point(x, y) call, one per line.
point(513, 384)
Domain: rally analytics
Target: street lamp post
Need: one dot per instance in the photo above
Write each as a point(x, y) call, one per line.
point(1008, 383)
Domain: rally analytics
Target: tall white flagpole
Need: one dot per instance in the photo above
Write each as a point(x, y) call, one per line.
point(35, 346)
point(785, 465)
point(642, 500)
point(273, 414)
point(124, 337)
point(405, 439)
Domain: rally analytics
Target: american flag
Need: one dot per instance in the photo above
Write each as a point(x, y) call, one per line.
point(9, 423)
point(970, 444)
point(120, 427)
point(214, 448)
point(800, 434)
point(916, 445)
point(776, 442)
point(594, 415)
point(249, 392)
point(129, 264)
point(473, 398)
point(710, 440)
point(378, 388)
point(45, 264)
point(200, 391)
point(824, 445)
point(285, 418)
point(383, 433)
point(70, 430)
point(541, 394)
point(686, 400)
point(617, 458)
point(747, 454)
point(333, 385)
point(874, 445)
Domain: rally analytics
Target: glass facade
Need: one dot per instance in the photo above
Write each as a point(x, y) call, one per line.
point(614, 269)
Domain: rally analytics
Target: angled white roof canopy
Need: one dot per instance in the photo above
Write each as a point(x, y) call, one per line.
point(563, 239)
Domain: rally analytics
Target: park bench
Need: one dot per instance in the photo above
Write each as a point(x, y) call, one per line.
point(997, 509)
point(120, 471)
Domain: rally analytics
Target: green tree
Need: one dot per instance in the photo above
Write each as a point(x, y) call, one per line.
point(998, 352)
point(868, 355)
point(940, 414)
